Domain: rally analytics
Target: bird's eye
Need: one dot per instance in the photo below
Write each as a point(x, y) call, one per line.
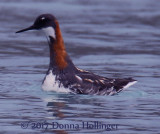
point(43, 18)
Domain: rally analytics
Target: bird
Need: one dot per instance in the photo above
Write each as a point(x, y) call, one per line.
point(62, 75)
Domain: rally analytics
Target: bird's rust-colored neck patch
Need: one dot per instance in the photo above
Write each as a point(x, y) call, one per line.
point(59, 49)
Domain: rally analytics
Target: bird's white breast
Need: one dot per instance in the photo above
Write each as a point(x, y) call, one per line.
point(51, 84)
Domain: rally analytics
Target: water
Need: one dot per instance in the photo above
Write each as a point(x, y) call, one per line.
point(113, 38)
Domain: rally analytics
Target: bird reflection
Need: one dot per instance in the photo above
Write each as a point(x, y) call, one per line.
point(55, 106)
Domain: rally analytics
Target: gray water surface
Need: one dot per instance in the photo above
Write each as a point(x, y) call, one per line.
point(113, 38)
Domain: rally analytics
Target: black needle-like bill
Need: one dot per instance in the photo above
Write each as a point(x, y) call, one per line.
point(26, 29)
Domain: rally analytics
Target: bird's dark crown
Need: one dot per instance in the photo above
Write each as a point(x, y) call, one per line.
point(45, 20)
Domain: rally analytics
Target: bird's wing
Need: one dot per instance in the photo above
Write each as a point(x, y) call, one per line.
point(89, 83)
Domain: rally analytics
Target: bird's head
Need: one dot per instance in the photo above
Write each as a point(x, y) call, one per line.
point(45, 22)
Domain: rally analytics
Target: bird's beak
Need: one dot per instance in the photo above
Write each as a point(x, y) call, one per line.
point(26, 29)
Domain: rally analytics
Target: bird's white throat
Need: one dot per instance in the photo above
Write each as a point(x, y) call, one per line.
point(49, 31)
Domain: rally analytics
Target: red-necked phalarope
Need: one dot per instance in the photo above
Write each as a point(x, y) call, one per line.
point(62, 75)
